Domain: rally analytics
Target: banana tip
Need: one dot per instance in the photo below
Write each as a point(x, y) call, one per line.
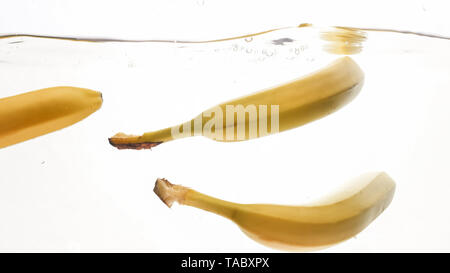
point(133, 146)
point(161, 189)
point(168, 192)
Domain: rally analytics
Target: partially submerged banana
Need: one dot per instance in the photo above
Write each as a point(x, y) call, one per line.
point(334, 219)
point(269, 111)
point(32, 114)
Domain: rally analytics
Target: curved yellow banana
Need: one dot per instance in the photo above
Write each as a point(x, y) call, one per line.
point(266, 112)
point(319, 225)
point(32, 114)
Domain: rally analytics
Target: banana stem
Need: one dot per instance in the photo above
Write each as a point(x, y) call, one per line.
point(145, 141)
point(170, 193)
point(151, 139)
point(163, 135)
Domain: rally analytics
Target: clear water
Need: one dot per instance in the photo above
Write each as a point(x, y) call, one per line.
point(72, 190)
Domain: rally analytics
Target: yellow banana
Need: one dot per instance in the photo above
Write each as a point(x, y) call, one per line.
point(32, 114)
point(286, 106)
point(300, 228)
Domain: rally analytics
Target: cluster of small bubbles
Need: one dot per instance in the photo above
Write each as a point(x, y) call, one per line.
point(300, 49)
point(254, 52)
point(268, 53)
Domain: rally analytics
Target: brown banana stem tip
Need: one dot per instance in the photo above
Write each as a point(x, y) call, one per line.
point(134, 146)
point(168, 192)
point(124, 141)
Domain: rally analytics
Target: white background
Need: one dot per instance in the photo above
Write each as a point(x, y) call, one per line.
point(71, 191)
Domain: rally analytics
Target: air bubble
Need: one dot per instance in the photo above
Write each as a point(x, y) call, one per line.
point(268, 53)
point(249, 39)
